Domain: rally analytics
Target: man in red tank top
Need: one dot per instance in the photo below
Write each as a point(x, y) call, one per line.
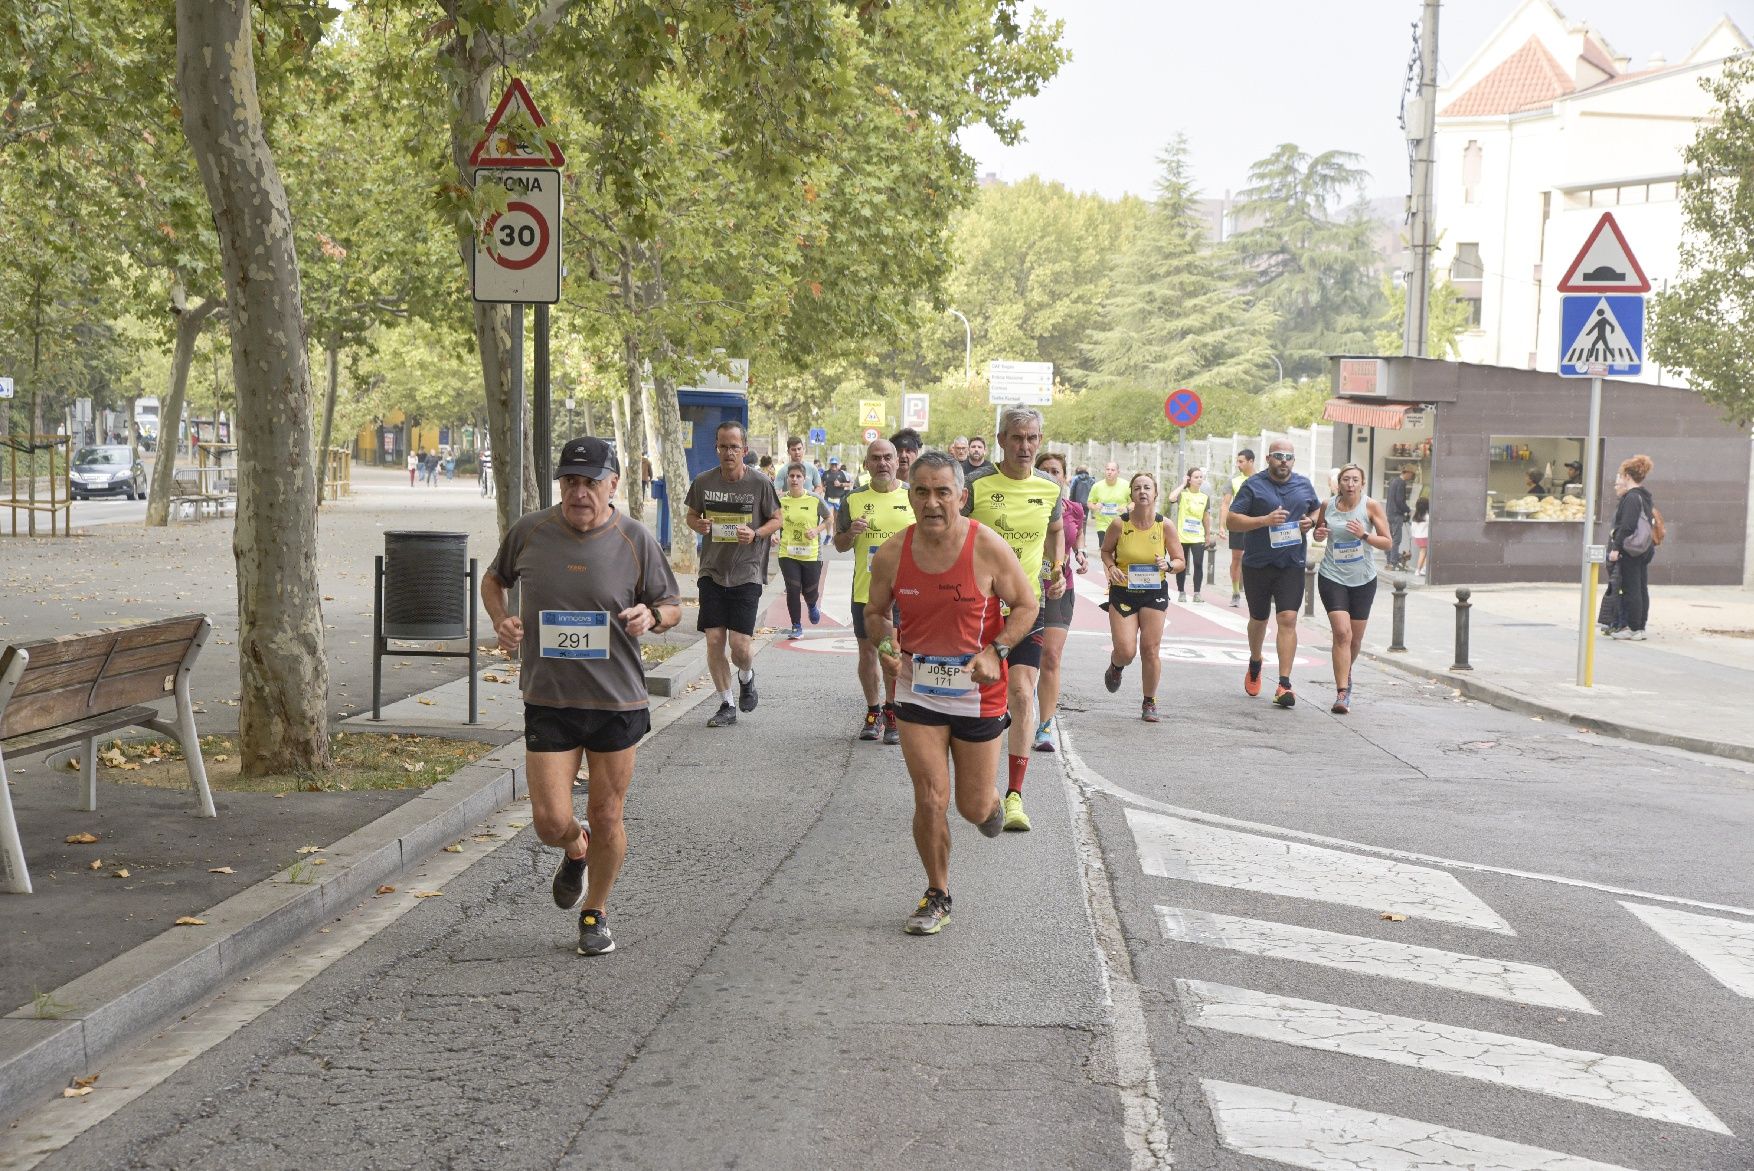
point(947, 575)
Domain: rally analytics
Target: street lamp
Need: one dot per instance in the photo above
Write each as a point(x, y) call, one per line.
point(1281, 366)
point(967, 350)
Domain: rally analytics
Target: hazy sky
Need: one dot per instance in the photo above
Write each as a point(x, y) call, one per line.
point(1241, 77)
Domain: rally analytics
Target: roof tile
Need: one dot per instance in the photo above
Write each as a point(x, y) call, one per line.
point(1528, 77)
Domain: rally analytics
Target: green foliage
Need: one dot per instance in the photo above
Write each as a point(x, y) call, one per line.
point(1178, 314)
point(1313, 264)
point(1445, 321)
point(1698, 326)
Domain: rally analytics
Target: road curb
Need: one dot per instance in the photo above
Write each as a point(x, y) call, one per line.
point(1498, 697)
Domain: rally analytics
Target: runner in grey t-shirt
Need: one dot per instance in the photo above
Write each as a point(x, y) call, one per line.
point(593, 583)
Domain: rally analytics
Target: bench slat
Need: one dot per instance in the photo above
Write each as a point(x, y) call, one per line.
point(49, 708)
point(80, 730)
point(50, 651)
point(165, 656)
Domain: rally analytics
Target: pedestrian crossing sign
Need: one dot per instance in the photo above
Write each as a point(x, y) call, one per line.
point(1601, 336)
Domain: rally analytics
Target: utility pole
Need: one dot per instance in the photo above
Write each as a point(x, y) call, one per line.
point(1421, 121)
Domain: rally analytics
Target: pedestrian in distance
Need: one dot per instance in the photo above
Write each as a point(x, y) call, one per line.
point(836, 483)
point(1274, 510)
point(1057, 612)
point(907, 443)
point(977, 456)
point(1421, 533)
point(795, 455)
point(1024, 506)
point(949, 579)
point(804, 518)
point(1632, 543)
point(1191, 504)
point(1139, 551)
point(414, 465)
point(736, 509)
point(1106, 500)
point(959, 450)
point(1400, 510)
point(584, 687)
point(1245, 467)
point(871, 516)
point(484, 461)
point(1354, 526)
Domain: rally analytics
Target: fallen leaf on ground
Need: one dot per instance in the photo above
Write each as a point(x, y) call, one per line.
point(1393, 916)
point(386, 889)
point(122, 873)
point(111, 756)
point(278, 796)
point(75, 1091)
point(221, 758)
point(95, 864)
point(88, 1079)
point(191, 921)
point(221, 870)
point(310, 849)
point(81, 839)
point(428, 894)
point(328, 597)
point(516, 824)
point(454, 848)
point(72, 764)
point(319, 861)
point(490, 678)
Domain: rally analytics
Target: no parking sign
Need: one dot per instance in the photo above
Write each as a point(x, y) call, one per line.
point(1182, 408)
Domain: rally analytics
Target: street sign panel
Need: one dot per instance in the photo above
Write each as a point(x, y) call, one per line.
point(1605, 263)
point(6, 388)
point(818, 435)
point(915, 410)
point(498, 148)
point(872, 434)
point(871, 413)
point(1182, 407)
point(1028, 384)
point(517, 252)
point(1597, 554)
point(1601, 337)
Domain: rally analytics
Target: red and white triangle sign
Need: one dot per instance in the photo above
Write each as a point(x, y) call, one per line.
point(495, 148)
point(1605, 264)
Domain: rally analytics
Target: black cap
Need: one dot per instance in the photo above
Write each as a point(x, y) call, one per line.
point(587, 456)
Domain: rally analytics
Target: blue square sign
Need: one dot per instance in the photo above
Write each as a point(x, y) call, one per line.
point(818, 435)
point(1601, 336)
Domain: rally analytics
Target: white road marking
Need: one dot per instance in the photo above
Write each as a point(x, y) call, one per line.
point(1624, 1084)
point(1171, 847)
point(1324, 1136)
point(1086, 776)
point(1723, 947)
point(1479, 975)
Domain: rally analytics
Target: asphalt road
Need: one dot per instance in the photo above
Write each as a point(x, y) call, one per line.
point(1563, 980)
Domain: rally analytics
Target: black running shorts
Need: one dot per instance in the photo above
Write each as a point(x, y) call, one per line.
point(1028, 652)
point(728, 607)
point(1236, 540)
point(969, 729)
point(563, 729)
point(1355, 600)
point(1272, 589)
point(859, 620)
point(1057, 612)
point(1127, 603)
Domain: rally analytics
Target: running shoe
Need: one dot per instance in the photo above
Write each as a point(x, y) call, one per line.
point(1621, 635)
point(1148, 711)
point(931, 916)
point(594, 937)
point(1251, 679)
point(1016, 820)
point(815, 613)
point(1236, 601)
point(724, 717)
point(569, 879)
point(797, 633)
point(1111, 678)
point(1044, 736)
point(1342, 701)
point(1182, 599)
point(1283, 696)
point(870, 730)
point(1638, 636)
point(891, 729)
point(746, 697)
point(993, 826)
point(1198, 600)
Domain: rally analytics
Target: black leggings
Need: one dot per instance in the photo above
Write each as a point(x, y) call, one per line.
point(1194, 558)
point(1635, 590)
point(803, 579)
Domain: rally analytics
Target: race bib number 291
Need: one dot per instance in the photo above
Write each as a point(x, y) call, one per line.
point(575, 634)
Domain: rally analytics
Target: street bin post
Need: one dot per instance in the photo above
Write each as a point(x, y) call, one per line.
point(1462, 608)
point(1398, 629)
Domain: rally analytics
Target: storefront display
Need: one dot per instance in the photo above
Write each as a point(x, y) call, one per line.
point(1534, 478)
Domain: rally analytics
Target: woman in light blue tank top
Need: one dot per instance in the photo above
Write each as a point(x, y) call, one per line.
point(1354, 526)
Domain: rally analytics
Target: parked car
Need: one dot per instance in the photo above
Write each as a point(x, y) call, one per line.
point(99, 471)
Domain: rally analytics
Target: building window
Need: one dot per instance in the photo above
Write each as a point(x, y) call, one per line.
point(1466, 266)
point(1471, 159)
point(1531, 478)
point(1473, 304)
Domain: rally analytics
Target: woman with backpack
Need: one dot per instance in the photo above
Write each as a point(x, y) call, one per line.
point(1632, 543)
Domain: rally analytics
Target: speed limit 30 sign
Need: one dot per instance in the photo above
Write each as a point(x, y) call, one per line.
point(517, 252)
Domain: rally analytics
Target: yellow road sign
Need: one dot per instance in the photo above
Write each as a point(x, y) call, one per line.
point(871, 412)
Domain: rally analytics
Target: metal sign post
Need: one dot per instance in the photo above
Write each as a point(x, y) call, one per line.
point(1592, 477)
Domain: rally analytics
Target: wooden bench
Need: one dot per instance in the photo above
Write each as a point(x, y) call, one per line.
point(81, 687)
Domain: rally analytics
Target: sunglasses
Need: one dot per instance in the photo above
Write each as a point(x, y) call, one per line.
point(1283, 457)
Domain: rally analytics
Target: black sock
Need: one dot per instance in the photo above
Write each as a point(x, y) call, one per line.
point(1285, 681)
point(874, 709)
point(1254, 668)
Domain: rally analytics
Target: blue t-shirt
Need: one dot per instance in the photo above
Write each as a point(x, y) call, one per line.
point(1279, 546)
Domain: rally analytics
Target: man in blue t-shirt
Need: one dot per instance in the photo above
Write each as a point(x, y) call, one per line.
point(1273, 510)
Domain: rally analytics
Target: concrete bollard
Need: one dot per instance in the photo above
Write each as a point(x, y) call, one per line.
point(1309, 591)
point(1398, 631)
point(1462, 608)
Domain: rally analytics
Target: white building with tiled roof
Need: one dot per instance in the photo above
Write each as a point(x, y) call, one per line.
point(1542, 130)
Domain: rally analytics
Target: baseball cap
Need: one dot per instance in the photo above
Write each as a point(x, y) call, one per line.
point(834, 459)
point(587, 456)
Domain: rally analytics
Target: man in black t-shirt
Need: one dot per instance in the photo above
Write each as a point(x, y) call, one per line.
point(835, 482)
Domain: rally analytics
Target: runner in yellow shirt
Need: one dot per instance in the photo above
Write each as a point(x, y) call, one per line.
point(1191, 505)
point(1108, 499)
point(803, 519)
point(864, 521)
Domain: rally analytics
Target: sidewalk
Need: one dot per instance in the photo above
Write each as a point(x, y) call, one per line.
point(1677, 689)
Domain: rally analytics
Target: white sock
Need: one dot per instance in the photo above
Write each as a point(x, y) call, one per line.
point(726, 695)
point(746, 676)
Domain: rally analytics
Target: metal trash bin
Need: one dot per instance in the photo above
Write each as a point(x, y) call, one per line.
point(426, 591)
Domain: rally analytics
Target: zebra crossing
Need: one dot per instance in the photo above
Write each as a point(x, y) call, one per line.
point(1265, 1122)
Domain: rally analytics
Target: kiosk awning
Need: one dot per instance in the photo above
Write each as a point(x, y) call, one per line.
point(1390, 415)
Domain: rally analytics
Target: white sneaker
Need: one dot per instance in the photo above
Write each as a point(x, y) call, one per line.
point(1638, 636)
point(1622, 635)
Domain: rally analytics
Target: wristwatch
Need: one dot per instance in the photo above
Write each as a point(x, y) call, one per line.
point(1003, 650)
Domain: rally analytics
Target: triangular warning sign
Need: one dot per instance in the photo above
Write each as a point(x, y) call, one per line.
point(1605, 264)
point(498, 149)
point(1601, 342)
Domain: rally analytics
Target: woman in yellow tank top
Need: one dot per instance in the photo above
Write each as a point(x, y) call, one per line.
point(1138, 553)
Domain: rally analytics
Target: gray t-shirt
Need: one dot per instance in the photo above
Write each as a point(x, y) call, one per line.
point(752, 501)
point(584, 580)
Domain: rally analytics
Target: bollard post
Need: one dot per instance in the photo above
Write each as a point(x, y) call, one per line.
point(1462, 608)
point(1309, 591)
point(1398, 631)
